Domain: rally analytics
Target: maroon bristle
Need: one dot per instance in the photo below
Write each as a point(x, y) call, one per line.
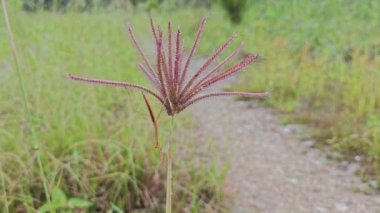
point(216, 54)
point(193, 49)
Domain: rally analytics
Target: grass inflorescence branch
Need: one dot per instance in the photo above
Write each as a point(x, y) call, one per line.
point(173, 88)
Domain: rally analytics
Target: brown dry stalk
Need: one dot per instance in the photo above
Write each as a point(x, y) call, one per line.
point(154, 121)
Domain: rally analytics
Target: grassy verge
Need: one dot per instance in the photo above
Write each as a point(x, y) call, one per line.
point(322, 62)
point(96, 143)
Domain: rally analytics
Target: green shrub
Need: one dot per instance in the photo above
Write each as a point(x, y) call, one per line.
point(235, 9)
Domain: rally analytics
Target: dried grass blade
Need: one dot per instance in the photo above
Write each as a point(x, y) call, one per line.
point(153, 119)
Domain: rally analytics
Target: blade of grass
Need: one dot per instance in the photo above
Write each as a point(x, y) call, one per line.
point(153, 118)
point(28, 114)
point(4, 190)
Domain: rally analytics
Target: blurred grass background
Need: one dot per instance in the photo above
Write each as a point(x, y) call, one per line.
point(320, 59)
point(96, 142)
point(322, 63)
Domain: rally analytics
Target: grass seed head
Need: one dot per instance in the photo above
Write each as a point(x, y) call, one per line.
point(173, 88)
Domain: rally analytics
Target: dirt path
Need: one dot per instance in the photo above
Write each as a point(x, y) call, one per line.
point(270, 169)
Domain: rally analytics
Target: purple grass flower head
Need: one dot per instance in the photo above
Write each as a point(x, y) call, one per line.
point(174, 86)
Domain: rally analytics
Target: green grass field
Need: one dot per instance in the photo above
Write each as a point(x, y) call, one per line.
point(320, 59)
point(96, 143)
point(322, 63)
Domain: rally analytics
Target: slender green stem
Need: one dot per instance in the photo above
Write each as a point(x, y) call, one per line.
point(28, 113)
point(15, 56)
point(4, 190)
point(169, 174)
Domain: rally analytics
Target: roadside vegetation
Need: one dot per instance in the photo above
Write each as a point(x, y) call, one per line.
point(96, 144)
point(321, 60)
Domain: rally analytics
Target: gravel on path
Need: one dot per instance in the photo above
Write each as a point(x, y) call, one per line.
point(270, 169)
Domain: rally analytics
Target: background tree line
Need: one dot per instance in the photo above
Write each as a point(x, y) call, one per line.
point(234, 8)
